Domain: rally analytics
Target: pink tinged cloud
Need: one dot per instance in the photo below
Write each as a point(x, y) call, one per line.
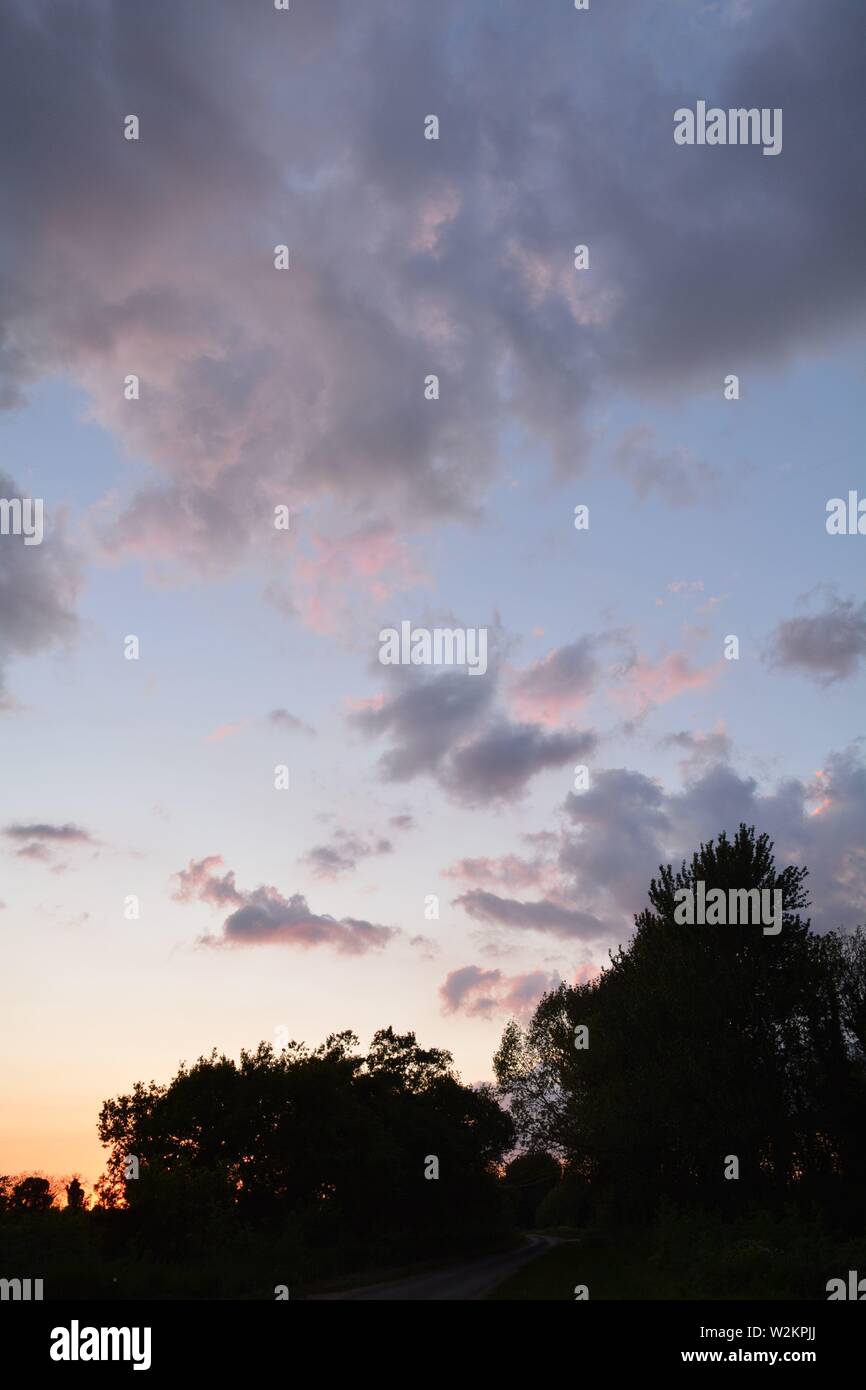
point(371, 560)
point(263, 916)
point(370, 704)
point(200, 882)
point(479, 993)
point(432, 218)
point(224, 731)
point(586, 972)
point(558, 685)
point(648, 683)
point(509, 870)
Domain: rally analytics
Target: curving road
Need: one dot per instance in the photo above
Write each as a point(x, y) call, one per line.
point(472, 1279)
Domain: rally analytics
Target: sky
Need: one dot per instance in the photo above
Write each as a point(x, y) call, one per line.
point(434, 863)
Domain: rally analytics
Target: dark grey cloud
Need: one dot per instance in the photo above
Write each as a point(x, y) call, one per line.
point(426, 717)
point(629, 825)
point(38, 587)
point(618, 833)
point(40, 840)
point(403, 821)
point(263, 916)
point(267, 918)
point(342, 854)
point(43, 830)
point(447, 725)
point(699, 750)
point(622, 819)
point(155, 256)
point(567, 676)
point(820, 823)
point(542, 916)
point(827, 646)
point(794, 56)
point(499, 763)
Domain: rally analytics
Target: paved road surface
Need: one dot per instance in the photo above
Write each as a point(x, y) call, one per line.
point(467, 1280)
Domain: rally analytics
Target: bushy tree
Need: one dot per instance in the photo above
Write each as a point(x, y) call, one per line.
point(31, 1194)
point(705, 1043)
point(338, 1140)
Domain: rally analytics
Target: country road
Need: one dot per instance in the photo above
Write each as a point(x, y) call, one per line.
point(471, 1279)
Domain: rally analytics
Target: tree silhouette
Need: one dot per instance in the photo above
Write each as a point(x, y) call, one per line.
point(75, 1198)
point(31, 1194)
point(705, 1042)
point(336, 1140)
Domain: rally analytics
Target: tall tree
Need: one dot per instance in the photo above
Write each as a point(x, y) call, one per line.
point(709, 1049)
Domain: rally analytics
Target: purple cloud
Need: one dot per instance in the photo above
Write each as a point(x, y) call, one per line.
point(341, 856)
point(263, 916)
point(827, 646)
point(479, 993)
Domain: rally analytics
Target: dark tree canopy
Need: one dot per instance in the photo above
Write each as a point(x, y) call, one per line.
point(32, 1194)
point(704, 1041)
point(75, 1198)
point(338, 1139)
point(528, 1179)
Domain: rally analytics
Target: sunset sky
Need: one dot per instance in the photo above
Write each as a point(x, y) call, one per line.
point(304, 909)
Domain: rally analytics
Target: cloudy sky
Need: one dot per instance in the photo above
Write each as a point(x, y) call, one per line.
point(266, 912)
